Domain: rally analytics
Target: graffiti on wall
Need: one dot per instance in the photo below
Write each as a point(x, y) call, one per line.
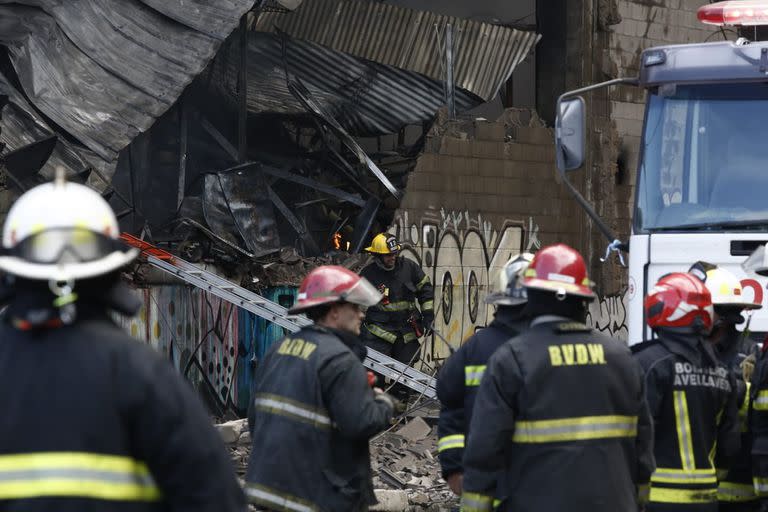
point(462, 253)
point(208, 340)
point(609, 315)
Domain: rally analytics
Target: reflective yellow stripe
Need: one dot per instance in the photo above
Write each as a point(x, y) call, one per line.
point(295, 410)
point(744, 410)
point(267, 497)
point(409, 336)
point(681, 476)
point(732, 491)
point(473, 375)
point(75, 474)
point(683, 430)
point(428, 305)
point(381, 333)
point(761, 401)
point(575, 429)
point(424, 281)
point(761, 485)
point(475, 502)
point(402, 305)
point(664, 495)
point(450, 442)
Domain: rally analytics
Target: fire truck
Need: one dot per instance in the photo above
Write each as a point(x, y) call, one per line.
point(702, 179)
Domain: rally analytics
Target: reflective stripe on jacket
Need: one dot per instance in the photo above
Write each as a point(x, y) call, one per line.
point(560, 412)
point(692, 397)
point(312, 415)
point(403, 287)
point(101, 422)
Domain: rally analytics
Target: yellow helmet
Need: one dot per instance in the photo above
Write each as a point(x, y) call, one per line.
point(384, 243)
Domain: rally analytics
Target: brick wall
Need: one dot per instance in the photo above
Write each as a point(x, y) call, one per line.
point(481, 193)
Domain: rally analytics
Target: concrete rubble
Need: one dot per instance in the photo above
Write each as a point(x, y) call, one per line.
point(404, 461)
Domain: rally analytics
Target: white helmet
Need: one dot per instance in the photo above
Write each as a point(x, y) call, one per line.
point(724, 287)
point(61, 232)
point(509, 290)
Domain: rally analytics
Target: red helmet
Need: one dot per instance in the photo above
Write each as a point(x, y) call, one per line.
point(329, 284)
point(560, 269)
point(679, 300)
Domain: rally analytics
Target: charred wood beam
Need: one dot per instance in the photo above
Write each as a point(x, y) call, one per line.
point(182, 152)
point(345, 168)
point(308, 182)
point(242, 93)
point(302, 94)
point(364, 223)
point(295, 223)
point(301, 180)
point(219, 137)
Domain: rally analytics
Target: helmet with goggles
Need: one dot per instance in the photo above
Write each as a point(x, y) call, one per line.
point(61, 232)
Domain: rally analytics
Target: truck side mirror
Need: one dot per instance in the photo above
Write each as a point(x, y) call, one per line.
point(570, 130)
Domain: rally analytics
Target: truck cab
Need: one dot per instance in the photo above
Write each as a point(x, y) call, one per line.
point(702, 181)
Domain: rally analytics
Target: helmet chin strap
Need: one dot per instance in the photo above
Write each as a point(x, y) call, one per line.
point(65, 299)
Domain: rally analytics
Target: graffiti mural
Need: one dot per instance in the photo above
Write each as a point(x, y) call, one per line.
point(462, 253)
point(210, 341)
point(609, 315)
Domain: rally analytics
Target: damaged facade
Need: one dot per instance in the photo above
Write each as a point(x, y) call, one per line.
point(263, 141)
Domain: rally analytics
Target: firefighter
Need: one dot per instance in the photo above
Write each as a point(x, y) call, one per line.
point(313, 410)
point(735, 491)
point(393, 326)
point(560, 409)
point(93, 420)
point(691, 395)
point(460, 376)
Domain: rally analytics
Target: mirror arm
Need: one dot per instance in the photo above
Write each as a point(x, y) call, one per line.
point(602, 226)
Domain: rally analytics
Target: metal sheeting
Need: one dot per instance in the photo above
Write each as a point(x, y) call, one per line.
point(407, 39)
point(365, 97)
point(21, 125)
point(103, 70)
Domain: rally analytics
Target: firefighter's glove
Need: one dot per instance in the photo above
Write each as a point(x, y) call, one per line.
point(748, 367)
point(396, 405)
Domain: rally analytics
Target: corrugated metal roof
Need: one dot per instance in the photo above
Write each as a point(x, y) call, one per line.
point(367, 98)
point(407, 39)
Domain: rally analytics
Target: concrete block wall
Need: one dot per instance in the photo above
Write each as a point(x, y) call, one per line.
point(481, 193)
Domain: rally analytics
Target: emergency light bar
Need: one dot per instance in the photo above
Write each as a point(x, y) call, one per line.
point(735, 13)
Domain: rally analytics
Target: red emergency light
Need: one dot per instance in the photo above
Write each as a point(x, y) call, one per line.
point(735, 13)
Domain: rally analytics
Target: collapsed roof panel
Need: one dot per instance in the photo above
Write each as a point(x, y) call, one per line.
point(365, 97)
point(21, 126)
point(408, 39)
point(103, 70)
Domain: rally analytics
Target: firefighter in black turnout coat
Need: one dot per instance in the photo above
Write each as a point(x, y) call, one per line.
point(735, 491)
point(92, 420)
point(390, 326)
point(313, 410)
point(691, 395)
point(460, 376)
point(560, 409)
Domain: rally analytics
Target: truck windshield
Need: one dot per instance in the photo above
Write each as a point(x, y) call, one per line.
point(704, 159)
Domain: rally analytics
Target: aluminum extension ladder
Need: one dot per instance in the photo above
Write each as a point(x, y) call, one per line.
point(271, 311)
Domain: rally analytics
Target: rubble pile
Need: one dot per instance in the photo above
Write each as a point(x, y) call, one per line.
point(404, 461)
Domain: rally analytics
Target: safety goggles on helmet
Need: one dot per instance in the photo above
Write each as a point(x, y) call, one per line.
point(329, 284)
point(64, 245)
point(509, 288)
